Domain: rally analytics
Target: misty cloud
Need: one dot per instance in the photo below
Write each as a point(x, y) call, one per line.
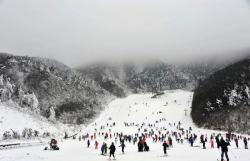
point(83, 31)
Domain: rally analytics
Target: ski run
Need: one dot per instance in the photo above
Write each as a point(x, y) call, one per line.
point(124, 122)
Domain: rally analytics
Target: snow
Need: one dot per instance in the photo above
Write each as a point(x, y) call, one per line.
point(137, 108)
point(233, 98)
point(18, 119)
point(247, 92)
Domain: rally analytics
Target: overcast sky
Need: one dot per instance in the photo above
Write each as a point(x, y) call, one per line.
point(83, 31)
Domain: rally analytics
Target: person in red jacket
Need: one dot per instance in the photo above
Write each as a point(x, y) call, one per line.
point(96, 144)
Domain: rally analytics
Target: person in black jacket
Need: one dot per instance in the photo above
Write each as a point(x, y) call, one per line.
point(245, 142)
point(146, 147)
point(217, 141)
point(165, 146)
point(123, 146)
point(88, 143)
point(224, 148)
point(140, 145)
point(53, 144)
point(112, 151)
point(203, 141)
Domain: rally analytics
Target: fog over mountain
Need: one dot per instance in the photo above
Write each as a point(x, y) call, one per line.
point(80, 31)
point(148, 75)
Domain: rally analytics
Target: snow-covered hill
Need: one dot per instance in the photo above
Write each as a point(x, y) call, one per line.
point(223, 99)
point(128, 116)
point(17, 119)
point(141, 108)
point(43, 84)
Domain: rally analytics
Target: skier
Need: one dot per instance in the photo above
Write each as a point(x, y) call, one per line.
point(104, 148)
point(217, 139)
point(140, 145)
point(165, 146)
point(212, 142)
point(65, 135)
point(236, 142)
point(170, 141)
point(191, 141)
point(96, 144)
point(146, 147)
point(88, 143)
point(203, 141)
point(224, 148)
point(112, 151)
point(179, 125)
point(134, 140)
point(123, 146)
point(245, 142)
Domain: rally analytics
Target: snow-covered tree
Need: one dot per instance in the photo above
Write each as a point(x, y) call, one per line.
point(1, 81)
point(52, 114)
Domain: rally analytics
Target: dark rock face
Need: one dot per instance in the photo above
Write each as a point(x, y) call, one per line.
point(222, 100)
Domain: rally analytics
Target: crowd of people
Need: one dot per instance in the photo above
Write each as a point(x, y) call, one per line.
point(166, 137)
point(159, 132)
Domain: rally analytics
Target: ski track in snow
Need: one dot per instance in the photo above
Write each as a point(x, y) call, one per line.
point(135, 108)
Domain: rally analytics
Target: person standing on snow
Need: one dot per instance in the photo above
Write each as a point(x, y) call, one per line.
point(96, 144)
point(134, 140)
point(212, 142)
point(123, 146)
point(104, 148)
point(203, 141)
point(88, 143)
point(112, 151)
point(170, 141)
point(217, 139)
point(236, 142)
point(165, 146)
point(140, 145)
point(146, 147)
point(245, 142)
point(224, 148)
point(191, 140)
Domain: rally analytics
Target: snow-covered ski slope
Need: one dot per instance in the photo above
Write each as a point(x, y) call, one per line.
point(134, 110)
point(141, 108)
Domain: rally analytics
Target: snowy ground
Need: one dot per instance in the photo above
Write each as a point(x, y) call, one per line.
point(12, 118)
point(136, 109)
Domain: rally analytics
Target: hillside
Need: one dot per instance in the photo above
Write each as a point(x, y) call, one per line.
point(29, 126)
point(222, 101)
point(152, 76)
point(108, 77)
point(136, 116)
point(50, 88)
point(74, 96)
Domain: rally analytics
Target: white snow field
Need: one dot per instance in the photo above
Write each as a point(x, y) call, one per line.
point(17, 119)
point(11, 118)
point(137, 109)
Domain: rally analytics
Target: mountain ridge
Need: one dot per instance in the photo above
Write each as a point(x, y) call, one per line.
point(223, 99)
point(75, 96)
